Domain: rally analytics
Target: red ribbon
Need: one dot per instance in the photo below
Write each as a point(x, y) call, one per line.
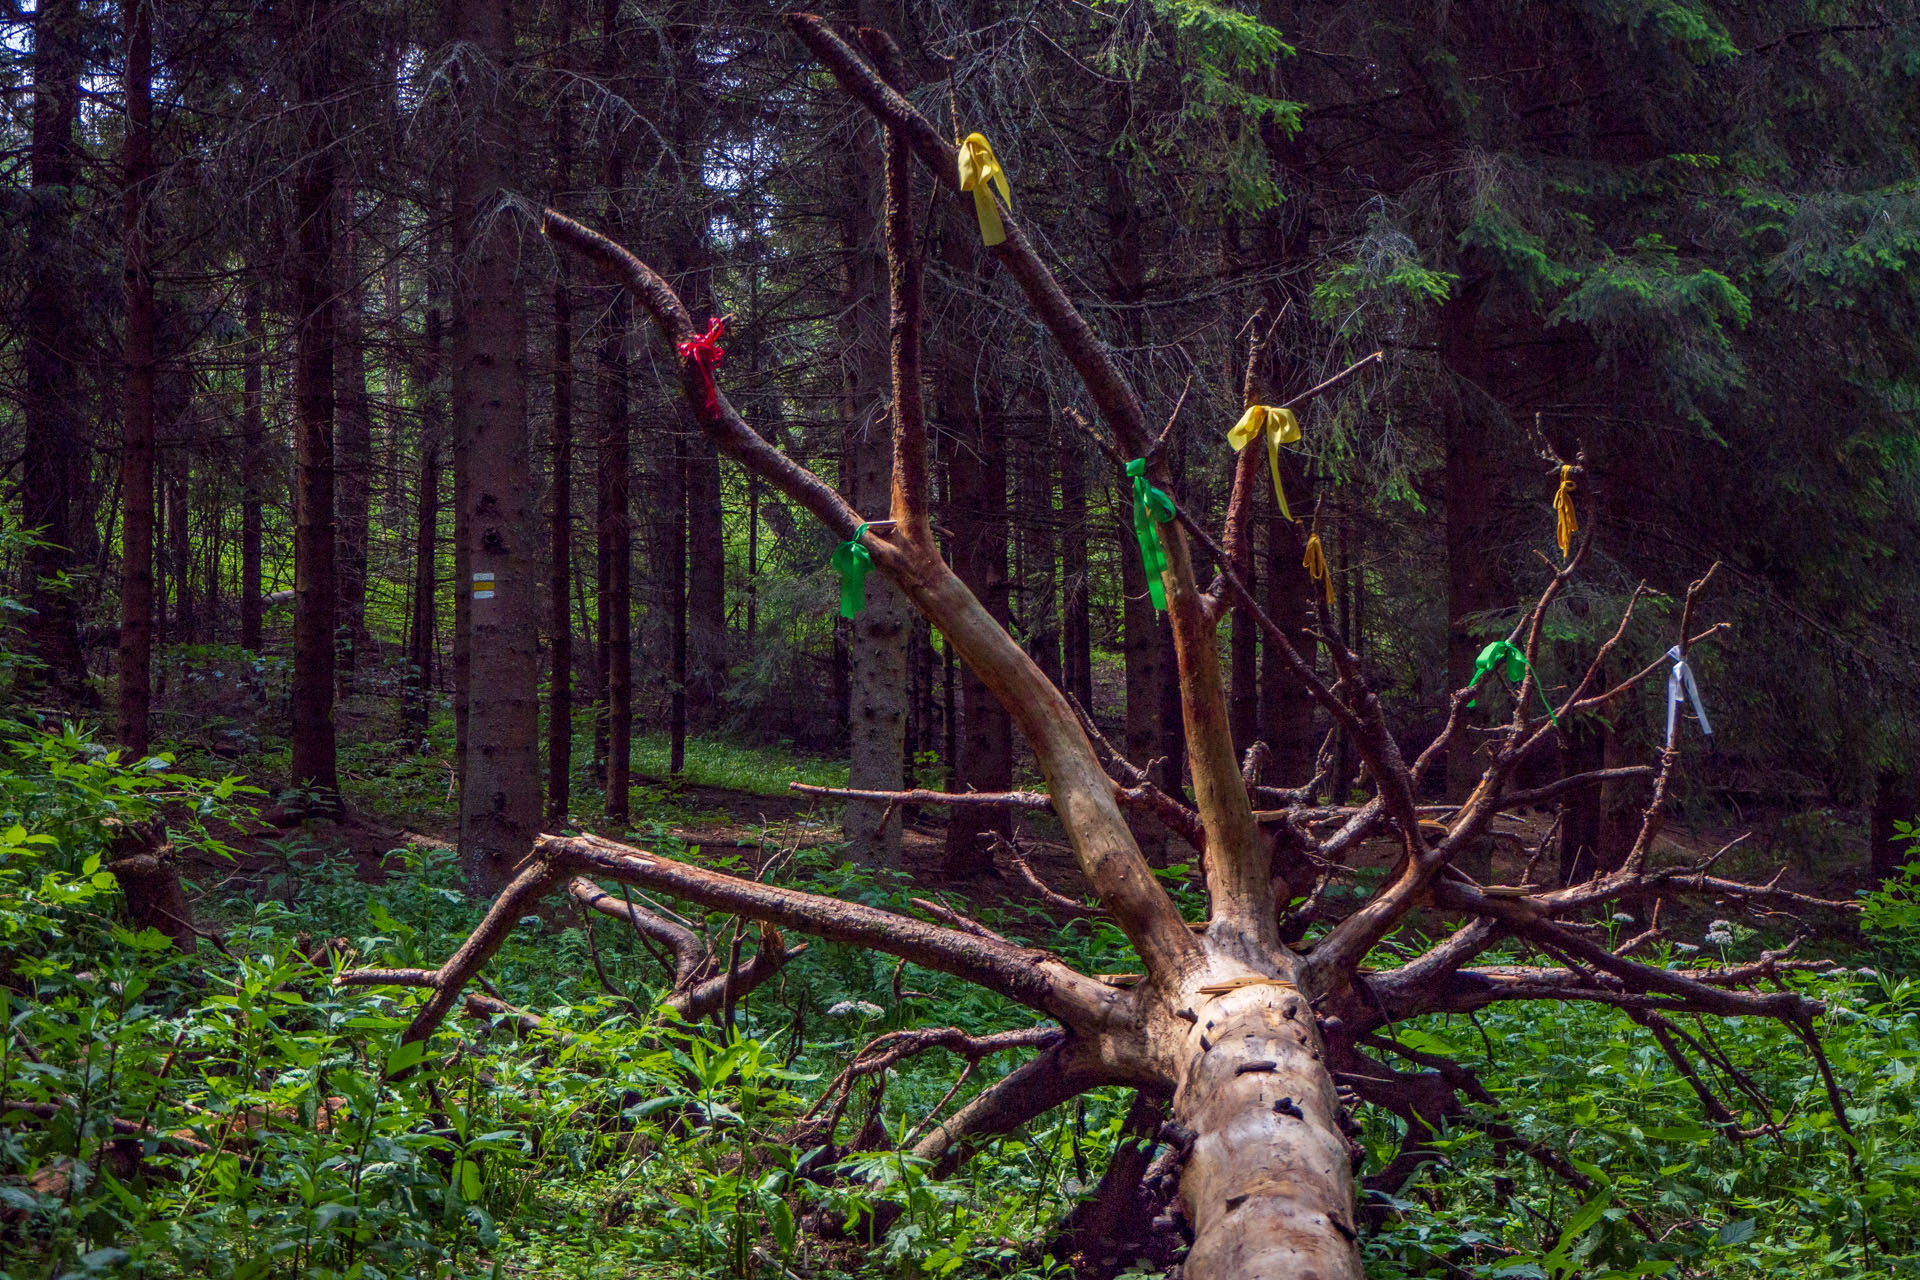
point(706, 352)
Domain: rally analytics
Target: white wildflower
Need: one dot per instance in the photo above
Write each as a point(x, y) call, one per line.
point(1621, 917)
point(1869, 974)
point(1685, 948)
point(848, 1008)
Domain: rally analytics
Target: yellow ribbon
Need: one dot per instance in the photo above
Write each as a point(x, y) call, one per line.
point(1280, 427)
point(1568, 522)
point(979, 167)
point(1315, 563)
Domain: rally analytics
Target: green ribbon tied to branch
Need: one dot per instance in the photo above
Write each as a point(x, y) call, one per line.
point(1151, 506)
point(853, 562)
point(1503, 658)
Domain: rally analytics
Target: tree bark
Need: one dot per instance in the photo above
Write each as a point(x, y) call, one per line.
point(1286, 707)
point(315, 311)
point(1039, 599)
point(253, 484)
point(674, 489)
point(613, 520)
point(1284, 237)
point(703, 671)
point(1076, 614)
point(54, 469)
point(1473, 581)
point(1243, 657)
point(149, 877)
point(136, 433)
point(500, 789)
point(1269, 1171)
point(353, 451)
point(977, 515)
point(876, 650)
point(1583, 747)
point(560, 565)
point(423, 626)
point(560, 515)
point(178, 473)
point(614, 525)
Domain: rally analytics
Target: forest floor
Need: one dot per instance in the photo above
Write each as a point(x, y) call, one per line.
point(627, 1144)
point(578, 1161)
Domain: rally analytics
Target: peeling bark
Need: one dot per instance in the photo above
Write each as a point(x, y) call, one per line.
point(1269, 1185)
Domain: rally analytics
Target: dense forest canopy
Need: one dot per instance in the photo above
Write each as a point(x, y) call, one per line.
point(1306, 602)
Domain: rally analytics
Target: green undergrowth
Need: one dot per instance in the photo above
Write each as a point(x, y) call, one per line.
point(283, 1130)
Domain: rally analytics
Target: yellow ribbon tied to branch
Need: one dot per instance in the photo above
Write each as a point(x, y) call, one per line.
point(979, 169)
point(1567, 521)
point(1280, 427)
point(1315, 563)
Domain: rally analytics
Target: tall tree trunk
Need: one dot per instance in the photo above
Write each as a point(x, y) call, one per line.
point(1076, 613)
point(1473, 583)
point(1039, 600)
point(53, 471)
point(136, 436)
point(706, 578)
point(675, 491)
point(1286, 708)
point(210, 560)
point(353, 451)
point(315, 311)
point(1341, 561)
point(1283, 238)
point(613, 522)
point(423, 625)
point(253, 482)
point(179, 482)
point(704, 623)
point(560, 551)
point(1583, 745)
point(500, 785)
point(615, 526)
point(753, 559)
point(1153, 730)
point(560, 537)
point(1243, 699)
point(162, 570)
point(876, 649)
point(977, 515)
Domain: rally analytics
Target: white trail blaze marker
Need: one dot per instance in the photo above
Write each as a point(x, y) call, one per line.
point(483, 589)
point(1680, 685)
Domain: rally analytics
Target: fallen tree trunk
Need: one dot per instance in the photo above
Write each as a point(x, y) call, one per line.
point(1227, 1018)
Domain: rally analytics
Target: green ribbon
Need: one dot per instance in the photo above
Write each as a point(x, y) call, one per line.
point(853, 561)
point(1503, 654)
point(1151, 506)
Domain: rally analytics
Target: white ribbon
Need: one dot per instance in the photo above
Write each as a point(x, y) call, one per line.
point(1680, 684)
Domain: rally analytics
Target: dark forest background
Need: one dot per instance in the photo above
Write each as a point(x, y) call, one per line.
point(276, 283)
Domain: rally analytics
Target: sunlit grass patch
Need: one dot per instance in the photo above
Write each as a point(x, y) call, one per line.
point(717, 762)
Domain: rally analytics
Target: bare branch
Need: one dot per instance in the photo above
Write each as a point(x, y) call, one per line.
point(1034, 978)
point(997, 799)
point(688, 951)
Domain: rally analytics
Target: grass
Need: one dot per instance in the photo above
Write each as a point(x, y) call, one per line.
point(733, 766)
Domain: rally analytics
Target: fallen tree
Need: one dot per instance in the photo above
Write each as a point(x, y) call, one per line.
point(1256, 1046)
